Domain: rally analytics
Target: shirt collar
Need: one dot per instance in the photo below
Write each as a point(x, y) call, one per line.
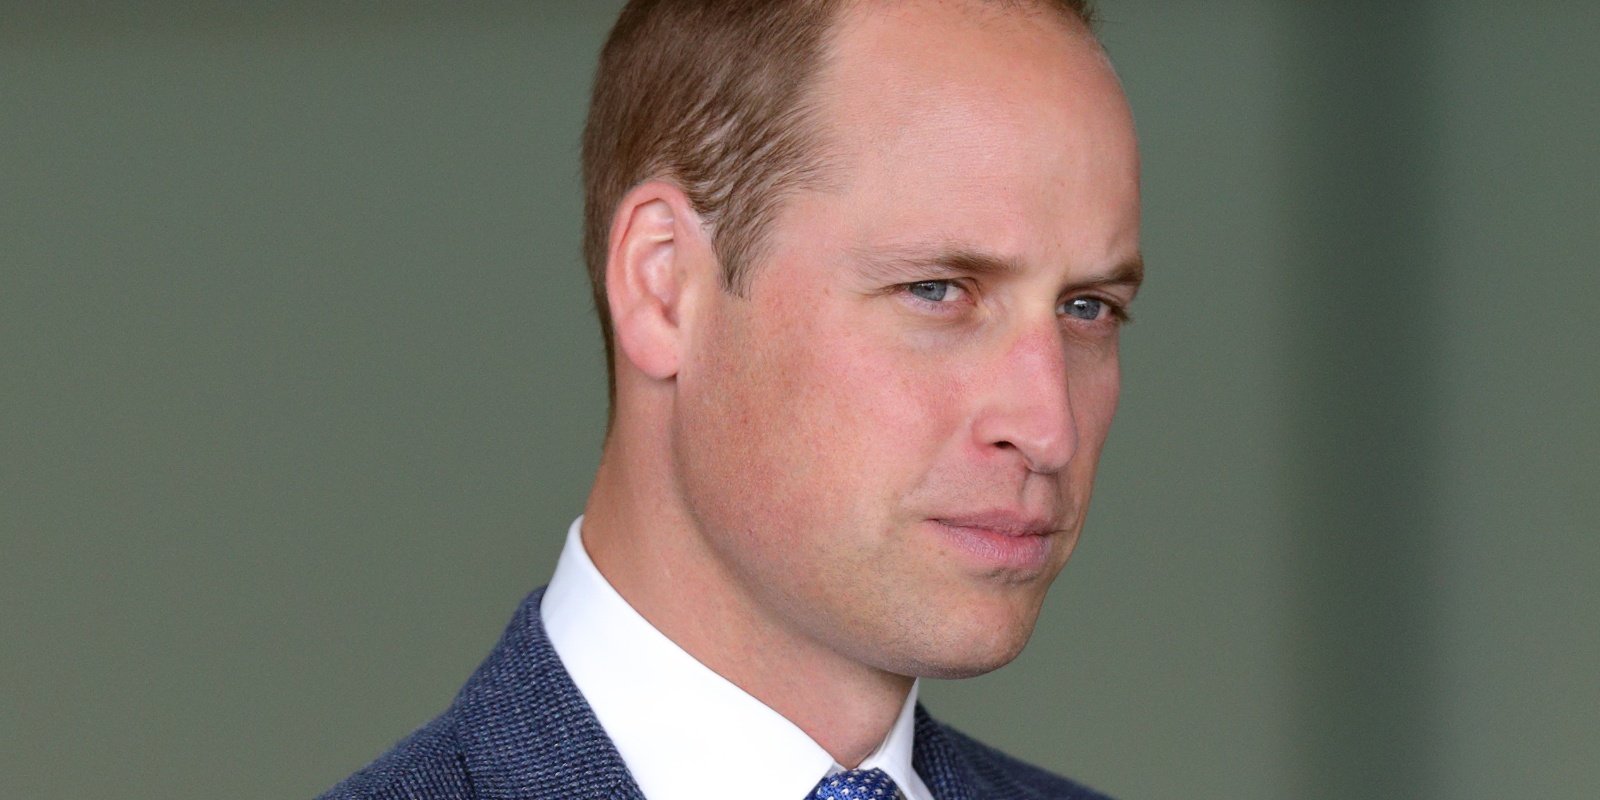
point(685, 732)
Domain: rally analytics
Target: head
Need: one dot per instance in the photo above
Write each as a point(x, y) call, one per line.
point(866, 264)
point(718, 97)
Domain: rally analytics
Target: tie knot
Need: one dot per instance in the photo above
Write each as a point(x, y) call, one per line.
point(856, 784)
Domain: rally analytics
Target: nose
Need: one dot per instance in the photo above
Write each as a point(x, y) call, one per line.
point(1026, 402)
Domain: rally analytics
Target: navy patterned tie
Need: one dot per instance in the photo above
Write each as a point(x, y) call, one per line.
point(857, 784)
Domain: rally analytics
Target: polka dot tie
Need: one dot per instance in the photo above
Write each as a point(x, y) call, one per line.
point(857, 784)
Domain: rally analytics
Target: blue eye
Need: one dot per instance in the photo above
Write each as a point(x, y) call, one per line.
point(934, 291)
point(1084, 308)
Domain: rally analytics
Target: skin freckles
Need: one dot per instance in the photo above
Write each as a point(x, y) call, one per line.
point(813, 466)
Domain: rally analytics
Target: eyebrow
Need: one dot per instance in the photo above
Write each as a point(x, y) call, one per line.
point(913, 264)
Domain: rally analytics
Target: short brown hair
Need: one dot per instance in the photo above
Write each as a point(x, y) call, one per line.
point(711, 95)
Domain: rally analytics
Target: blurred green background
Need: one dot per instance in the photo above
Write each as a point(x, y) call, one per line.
point(299, 390)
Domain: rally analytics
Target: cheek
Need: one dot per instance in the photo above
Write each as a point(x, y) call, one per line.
point(893, 405)
point(1094, 383)
point(832, 422)
point(1094, 389)
point(759, 427)
point(1094, 397)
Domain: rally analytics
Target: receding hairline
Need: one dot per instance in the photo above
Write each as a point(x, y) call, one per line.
point(1080, 20)
point(828, 144)
point(825, 149)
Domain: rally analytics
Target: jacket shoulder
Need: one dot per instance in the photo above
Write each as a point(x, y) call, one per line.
point(427, 765)
point(1001, 775)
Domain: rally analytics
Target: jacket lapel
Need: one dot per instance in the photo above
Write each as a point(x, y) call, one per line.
point(525, 731)
point(939, 764)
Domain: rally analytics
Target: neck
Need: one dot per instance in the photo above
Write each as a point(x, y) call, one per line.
point(641, 537)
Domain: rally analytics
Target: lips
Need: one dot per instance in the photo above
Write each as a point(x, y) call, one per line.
point(1006, 523)
point(1001, 542)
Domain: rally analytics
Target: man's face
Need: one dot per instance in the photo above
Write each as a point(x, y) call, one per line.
point(890, 441)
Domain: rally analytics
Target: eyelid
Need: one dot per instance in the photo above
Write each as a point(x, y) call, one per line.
point(965, 287)
point(1117, 309)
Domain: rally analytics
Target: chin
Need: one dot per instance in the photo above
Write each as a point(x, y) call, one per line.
point(976, 647)
point(952, 666)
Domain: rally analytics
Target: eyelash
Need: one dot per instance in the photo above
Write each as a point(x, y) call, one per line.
point(1115, 310)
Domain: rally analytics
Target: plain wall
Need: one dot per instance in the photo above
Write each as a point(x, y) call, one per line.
point(300, 388)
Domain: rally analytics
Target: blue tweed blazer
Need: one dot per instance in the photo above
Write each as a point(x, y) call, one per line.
point(520, 730)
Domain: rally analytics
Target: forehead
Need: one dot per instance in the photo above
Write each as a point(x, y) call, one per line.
point(1000, 109)
point(898, 68)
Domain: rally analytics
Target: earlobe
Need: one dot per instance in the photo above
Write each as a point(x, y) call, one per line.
point(655, 237)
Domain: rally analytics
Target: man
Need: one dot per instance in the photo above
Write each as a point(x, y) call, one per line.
point(861, 268)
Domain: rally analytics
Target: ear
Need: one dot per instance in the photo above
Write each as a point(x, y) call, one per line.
point(655, 256)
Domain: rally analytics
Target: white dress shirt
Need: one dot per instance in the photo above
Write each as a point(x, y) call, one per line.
point(685, 732)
